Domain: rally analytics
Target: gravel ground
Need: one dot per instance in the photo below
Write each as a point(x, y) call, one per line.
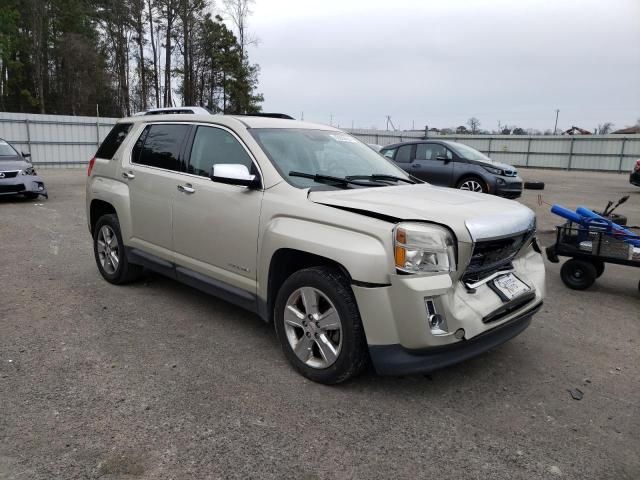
point(158, 381)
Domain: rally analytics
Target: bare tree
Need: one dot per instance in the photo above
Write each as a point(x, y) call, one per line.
point(156, 85)
point(605, 128)
point(239, 12)
point(473, 124)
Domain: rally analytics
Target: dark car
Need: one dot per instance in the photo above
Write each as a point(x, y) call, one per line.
point(452, 164)
point(634, 178)
point(17, 175)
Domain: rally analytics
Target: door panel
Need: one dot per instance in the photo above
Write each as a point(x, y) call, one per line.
point(153, 172)
point(215, 225)
point(427, 165)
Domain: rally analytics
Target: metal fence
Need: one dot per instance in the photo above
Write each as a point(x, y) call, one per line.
point(67, 141)
point(55, 140)
point(614, 153)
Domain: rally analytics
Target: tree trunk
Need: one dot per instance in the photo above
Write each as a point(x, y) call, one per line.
point(155, 56)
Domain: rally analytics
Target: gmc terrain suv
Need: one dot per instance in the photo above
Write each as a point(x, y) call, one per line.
point(350, 257)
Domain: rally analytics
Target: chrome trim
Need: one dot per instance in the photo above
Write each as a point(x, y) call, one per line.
point(144, 125)
point(487, 279)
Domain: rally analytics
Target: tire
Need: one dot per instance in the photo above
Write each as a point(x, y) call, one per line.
point(534, 185)
point(578, 274)
point(106, 230)
point(344, 348)
point(473, 184)
point(599, 264)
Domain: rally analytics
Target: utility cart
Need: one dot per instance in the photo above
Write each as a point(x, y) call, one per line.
point(590, 242)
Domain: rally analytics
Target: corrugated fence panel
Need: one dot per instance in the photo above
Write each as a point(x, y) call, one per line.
point(66, 141)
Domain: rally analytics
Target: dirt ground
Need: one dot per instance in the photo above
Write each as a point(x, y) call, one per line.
point(158, 381)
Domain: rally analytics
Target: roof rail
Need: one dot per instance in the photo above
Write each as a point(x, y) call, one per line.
point(264, 114)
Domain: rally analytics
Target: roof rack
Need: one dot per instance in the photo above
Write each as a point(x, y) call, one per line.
point(264, 114)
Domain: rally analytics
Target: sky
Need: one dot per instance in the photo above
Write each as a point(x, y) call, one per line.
point(440, 62)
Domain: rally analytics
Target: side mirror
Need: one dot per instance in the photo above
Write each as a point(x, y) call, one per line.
point(443, 158)
point(233, 174)
point(25, 155)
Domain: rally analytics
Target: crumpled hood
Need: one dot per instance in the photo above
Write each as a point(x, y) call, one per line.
point(472, 216)
point(13, 164)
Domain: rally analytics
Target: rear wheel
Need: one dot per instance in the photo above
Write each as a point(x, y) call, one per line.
point(319, 327)
point(578, 274)
point(473, 184)
point(109, 252)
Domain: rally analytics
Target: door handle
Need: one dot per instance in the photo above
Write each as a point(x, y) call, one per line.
point(128, 175)
point(186, 188)
point(415, 165)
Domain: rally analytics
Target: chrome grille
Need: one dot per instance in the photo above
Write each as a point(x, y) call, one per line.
point(11, 174)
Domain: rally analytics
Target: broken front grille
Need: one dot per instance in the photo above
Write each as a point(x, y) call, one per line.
point(492, 255)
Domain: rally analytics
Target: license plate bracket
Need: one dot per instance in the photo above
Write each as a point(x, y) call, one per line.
point(509, 287)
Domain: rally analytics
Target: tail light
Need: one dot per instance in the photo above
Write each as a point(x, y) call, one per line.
point(636, 167)
point(91, 163)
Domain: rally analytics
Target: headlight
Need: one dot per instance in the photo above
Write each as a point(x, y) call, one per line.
point(495, 171)
point(421, 247)
point(28, 171)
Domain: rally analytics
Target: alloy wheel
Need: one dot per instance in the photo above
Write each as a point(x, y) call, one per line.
point(472, 186)
point(313, 327)
point(108, 249)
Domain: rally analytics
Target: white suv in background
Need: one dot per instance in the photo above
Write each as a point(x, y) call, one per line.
point(350, 257)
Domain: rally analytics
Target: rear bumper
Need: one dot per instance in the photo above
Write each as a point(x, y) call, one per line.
point(634, 178)
point(397, 360)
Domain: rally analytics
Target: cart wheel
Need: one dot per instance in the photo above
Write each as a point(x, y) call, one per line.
point(599, 264)
point(578, 274)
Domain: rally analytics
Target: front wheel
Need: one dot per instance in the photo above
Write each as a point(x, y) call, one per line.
point(319, 327)
point(473, 184)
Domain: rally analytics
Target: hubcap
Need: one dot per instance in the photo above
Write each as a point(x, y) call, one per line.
point(108, 249)
point(472, 186)
point(313, 327)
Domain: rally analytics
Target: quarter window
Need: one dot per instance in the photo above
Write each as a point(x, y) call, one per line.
point(159, 146)
point(114, 139)
point(389, 153)
point(404, 154)
point(213, 146)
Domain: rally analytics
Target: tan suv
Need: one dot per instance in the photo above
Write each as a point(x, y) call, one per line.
point(350, 257)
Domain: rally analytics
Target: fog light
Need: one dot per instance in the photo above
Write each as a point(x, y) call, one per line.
point(435, 321)
point(459, 334)
point(500, 181)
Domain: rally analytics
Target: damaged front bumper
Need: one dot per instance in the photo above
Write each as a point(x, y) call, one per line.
point(23, 185)
point(403, 340)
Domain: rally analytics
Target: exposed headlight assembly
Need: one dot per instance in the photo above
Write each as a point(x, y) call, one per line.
point(28, 171)
point(423, 248)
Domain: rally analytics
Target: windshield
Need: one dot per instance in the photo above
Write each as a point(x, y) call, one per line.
point(469, 153)
point(6, 150)
point(321, 152)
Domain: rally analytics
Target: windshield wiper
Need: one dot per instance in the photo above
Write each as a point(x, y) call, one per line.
point(380, 176)
point(316, 177)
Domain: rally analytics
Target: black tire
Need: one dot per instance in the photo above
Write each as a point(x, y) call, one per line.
point(578, 274)
point(534, 185)
point(125, 272)
point(599, 264)
point(482, 183)
point(353, 355)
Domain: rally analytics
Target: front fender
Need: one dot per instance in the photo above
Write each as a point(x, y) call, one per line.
point(364, 256)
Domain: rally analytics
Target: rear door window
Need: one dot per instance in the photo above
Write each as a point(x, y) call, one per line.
point(114, 139)
point(404, 154)
point(160, 145)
